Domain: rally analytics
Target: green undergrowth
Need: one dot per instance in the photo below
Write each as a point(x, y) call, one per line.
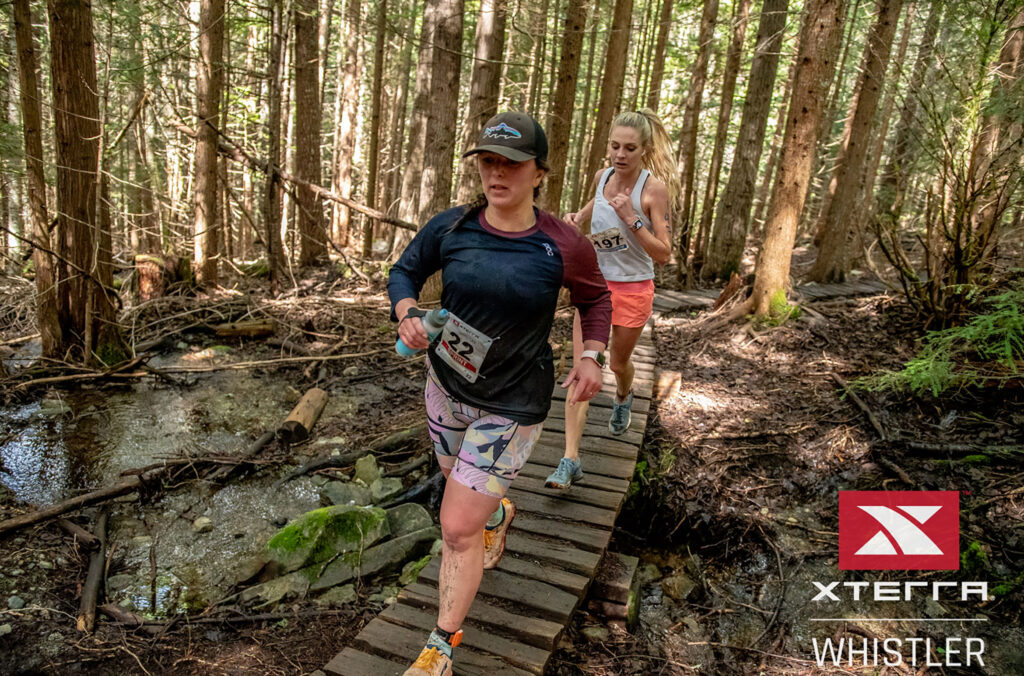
point(987, 351)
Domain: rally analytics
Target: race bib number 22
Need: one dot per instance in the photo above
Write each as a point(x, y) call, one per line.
point(463, 348)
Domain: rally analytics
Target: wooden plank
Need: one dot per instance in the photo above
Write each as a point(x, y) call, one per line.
point(551, 551)
point(587, 496)
point(401, 643)
point(543, 599)
point(539, 470)
point(615, 578)
point(527, 628)
point(592, 444)
point(521, 655)
point(552, 575)
point(604, 400)
point(572, 511)
point(597, 426)
point(352, 662)
point(598, 415)
point(594, 463)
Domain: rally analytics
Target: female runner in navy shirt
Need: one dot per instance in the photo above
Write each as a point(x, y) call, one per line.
point(490, 372)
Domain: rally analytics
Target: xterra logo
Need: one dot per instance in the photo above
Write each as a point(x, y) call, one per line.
point(899, 530)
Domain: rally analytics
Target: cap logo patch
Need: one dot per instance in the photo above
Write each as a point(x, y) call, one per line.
point(502, 131)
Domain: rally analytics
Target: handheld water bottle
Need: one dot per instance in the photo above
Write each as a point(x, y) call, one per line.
point(433, 322)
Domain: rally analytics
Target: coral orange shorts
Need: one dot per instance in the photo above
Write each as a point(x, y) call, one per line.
point(631, 302)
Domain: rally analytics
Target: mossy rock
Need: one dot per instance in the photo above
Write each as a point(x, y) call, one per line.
point(324, 533)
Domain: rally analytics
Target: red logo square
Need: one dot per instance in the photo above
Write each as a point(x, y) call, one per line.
point(899, 530)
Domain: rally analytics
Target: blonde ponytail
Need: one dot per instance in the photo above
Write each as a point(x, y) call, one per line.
point(658, 157)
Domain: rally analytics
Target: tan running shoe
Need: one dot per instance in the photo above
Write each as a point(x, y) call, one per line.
point(431, 662)
point(494, 539)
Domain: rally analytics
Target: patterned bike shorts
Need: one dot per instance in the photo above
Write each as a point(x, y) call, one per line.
point(483, 451)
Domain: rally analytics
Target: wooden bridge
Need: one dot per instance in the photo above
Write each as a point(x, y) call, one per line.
point(555, 544)
point(552, 553)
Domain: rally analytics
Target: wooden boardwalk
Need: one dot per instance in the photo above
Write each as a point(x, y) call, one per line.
point(552, 553)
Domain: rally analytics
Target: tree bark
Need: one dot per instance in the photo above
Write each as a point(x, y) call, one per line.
point(611, 85)
point(688, 134)
point(209, 84)
point(578, 182)
point(560, 120)
point(658, 68)
point(85, 299)
point(348, 100)
point(376, 128)
point(818, 43)
point(484, 86)
point(272, 187)
point(32, 127)
point(732, 65)
point(733, 217)
point(308, 112)
point(893, 182)
point(838, 222)
point(446, 60)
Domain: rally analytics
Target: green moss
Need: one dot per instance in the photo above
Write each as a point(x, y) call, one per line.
point(321, 534)
point(974, 560)
point(975, 460)
point(779, 310)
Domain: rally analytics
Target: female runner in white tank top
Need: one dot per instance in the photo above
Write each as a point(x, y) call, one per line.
point(630, 229)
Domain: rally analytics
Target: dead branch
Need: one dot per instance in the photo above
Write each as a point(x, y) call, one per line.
point(861, 405)
point(406, 467)
point(79, 533)
point(94, 578)
point(251, 452)
point(343, 460)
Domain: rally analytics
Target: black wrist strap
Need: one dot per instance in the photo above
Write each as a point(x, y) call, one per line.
point(413, 312)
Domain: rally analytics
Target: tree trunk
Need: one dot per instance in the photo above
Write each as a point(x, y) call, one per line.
point(838, 222)
point(578, 182)
point(408, 207)
point(348, 100)
point(484, 86)
point(32, 127)
point(539, 33)
point(446, 61)
point(733, 217)
point(313, 244)
point(821, 189)
point(560, 120)
point(732, 64)
point(611, 85)
point(272, 187)
point(688, 134)
point(376, 128)
point(86, 301)
point(893, 183)
point(209, 84)
point(658, 67)
point(818, 43)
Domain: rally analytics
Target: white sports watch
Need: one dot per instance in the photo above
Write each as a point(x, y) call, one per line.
point(595, 355)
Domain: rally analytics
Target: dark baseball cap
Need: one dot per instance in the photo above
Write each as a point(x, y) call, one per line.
point(516, 136)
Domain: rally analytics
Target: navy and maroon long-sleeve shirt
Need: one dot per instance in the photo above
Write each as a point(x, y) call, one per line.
point(505, 287)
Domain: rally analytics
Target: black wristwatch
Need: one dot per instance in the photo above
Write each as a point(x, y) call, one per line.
point(637, 225)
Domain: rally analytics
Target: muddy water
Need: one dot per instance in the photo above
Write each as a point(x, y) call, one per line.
point(77, 440)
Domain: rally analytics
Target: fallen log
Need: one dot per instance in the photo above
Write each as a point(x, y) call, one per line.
point(79, 533)
point(408, 466)
point(399, 439)
point(254, 449)
point(129, 619)
point(129, 485)
point(300, 421)
point(253, 328)
point(343, 460)
point(419, 492)
point(94, 578)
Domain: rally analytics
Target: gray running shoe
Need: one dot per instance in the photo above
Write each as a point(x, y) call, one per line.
point(566, 474)
point(621, 415)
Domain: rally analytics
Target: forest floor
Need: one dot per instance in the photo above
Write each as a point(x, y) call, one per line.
point(734, 503)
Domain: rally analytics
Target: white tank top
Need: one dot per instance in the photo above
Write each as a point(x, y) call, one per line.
point(619, 254)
